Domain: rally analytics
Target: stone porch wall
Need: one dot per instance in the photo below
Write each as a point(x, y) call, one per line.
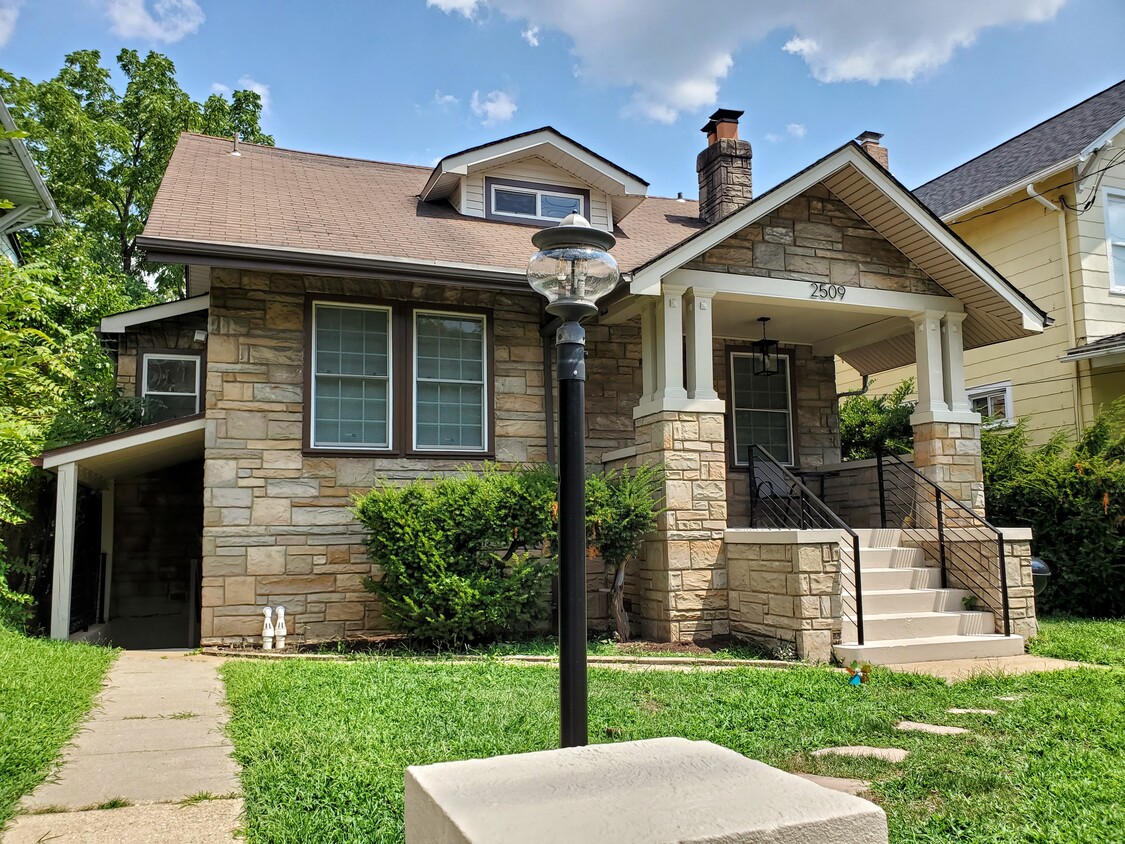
point(785, 589)
point(949, 455)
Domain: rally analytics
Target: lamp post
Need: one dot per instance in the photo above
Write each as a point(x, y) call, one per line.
point(572, 269)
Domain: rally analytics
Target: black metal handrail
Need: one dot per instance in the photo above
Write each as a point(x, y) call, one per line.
point(913, 503)
point(778, 499)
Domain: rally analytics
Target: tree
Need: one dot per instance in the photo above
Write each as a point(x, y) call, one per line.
point(104, 153)
point(869, 425)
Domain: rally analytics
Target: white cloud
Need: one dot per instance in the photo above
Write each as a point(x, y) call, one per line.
point(445, 100)
point(169, 20)
point(797, 130)
point(247, 83)
point(495, 107)
point(676, 61)
point(466, 8)
point(531, 35)
point(9, 14)
point(220, 88)
point(773, 137)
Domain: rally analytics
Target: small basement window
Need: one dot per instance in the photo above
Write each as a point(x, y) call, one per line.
point(533, 202)
point(172, 382)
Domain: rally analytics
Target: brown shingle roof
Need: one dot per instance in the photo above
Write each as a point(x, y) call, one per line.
point(269, 197)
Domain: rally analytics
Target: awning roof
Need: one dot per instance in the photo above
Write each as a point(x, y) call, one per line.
point(135, 452)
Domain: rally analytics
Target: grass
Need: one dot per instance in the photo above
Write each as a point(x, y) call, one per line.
point(46, 688)
point(607, 647)
point(324, 745)
point(1082, 639)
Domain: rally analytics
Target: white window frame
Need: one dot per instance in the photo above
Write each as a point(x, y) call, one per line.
point(539, 194)
point(1116, 285)
point(389, 445)
point(484, 414)
point(146, 392)
point(986, 390)
point(782, 372)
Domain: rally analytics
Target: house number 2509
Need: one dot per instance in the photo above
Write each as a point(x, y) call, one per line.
point(820, 290)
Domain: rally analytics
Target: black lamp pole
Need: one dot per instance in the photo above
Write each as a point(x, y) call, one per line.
point(573, 269)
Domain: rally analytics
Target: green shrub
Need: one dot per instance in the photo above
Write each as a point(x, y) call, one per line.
point(871, 424)
point(1073, 498)
point(462, 557)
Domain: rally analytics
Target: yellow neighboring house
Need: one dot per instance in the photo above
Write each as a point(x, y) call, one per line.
point(1047, 210)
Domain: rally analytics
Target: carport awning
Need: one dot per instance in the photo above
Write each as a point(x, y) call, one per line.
point(134, 452)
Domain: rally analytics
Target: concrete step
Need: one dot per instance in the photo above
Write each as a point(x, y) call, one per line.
point(891, 558)
point(879, 537)
point(912, 600)
point(880, 580)
point(929, 649)
point(924, 625)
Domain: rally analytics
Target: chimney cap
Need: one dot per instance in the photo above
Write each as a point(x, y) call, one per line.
point(869, 137)
point(722, 115)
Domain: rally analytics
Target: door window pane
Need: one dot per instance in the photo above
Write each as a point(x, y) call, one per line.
point(450, 374)
point(351, 377)
point(761, 408)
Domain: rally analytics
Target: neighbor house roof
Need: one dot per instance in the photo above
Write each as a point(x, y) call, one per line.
point(344, 212)
point(1114, 344)
point(21, 184)
point(1054, 144)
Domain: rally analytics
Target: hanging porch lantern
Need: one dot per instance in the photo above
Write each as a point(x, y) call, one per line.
point(765, 352)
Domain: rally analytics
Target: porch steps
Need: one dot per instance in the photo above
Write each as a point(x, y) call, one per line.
point(907, 617)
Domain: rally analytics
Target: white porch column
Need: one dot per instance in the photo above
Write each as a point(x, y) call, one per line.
point(953, 363)
point(107, 548)
point(701, 368)
point(671, 356)
point(650, 354)
point(62, 568)
point(928, 357)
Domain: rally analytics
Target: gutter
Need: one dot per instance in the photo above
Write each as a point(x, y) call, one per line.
point(977, 204)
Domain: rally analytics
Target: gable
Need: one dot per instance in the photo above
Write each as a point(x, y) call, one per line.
point(817, 237)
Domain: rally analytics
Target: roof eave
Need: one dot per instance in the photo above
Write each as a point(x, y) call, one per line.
point(30, 169)
point(1016, 186)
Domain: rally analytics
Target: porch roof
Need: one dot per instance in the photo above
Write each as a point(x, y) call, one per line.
point(996, 310)
point(134, 452)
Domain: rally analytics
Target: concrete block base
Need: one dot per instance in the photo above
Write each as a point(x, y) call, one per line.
point(657, 791)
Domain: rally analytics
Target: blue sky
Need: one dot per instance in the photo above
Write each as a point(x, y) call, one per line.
point(413, 80)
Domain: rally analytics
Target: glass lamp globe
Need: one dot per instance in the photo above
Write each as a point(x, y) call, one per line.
point(573, 268)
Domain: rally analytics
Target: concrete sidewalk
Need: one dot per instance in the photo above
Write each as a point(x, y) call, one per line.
point(154, 739)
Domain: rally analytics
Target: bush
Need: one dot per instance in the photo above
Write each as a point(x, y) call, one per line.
point(873, 424)
point(1073, 498)
point(462, 556)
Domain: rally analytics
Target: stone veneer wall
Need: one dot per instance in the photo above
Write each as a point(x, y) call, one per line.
point(1021, 587)
point(785, 589)
point(949, 455)
point(277, 523)
point(176, 334)
point(682, 577)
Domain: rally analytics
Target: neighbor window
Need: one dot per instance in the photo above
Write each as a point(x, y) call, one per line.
point(449, 382)
point(351, 396)
point(171, 381)
point(762, 409)
point(993, 402)
point(1115, 239)
point(533, 202)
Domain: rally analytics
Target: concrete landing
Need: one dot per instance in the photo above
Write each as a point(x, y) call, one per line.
point(155, 736)
point(953, 670)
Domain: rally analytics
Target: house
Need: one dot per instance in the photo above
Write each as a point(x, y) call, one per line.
point(27, 201)
point(1047, 209)
point(351, 322)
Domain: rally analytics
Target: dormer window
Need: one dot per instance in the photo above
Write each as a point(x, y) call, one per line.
point(533, 202)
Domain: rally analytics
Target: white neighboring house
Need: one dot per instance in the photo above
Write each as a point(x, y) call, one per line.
point(23, 187)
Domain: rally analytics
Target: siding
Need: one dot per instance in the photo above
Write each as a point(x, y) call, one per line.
point(534, 170)
point(1103, 312)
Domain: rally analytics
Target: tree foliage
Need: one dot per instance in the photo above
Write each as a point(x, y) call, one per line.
point(1072, 495)
point(104, 152)
point(870, 424)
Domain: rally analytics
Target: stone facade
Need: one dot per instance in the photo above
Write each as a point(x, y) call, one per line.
point(949, 455)
point(169, 335)
point(816, 237)
point(682, 577)
point(785, 589)
point(725, 178)
point(1021, 587)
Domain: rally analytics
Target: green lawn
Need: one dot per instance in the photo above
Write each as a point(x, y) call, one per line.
point(324, 745)
point(1065, 637)
point(46, 688)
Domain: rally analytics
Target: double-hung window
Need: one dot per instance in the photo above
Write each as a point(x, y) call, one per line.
point(993, 402)
point(761, 406)
point(172, 382)
point(1115, 239)
point(398, 379)
point(351, 401)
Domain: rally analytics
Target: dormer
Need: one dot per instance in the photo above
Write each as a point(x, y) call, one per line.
point(535, 178)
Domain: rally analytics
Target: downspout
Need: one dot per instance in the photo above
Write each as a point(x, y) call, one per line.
point(1068, 300)
point(860, 392)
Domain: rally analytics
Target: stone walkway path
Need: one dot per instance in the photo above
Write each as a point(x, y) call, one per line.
point(154, 742)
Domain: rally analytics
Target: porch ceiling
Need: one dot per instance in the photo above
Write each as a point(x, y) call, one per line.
point(828, 330)
point(135, 452)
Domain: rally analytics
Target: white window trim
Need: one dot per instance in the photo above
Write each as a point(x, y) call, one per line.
point(539, 194)
point(483, 448)
point(145, 391)
point(990, 389)
point(1116, 285)
point(787, 375)
point(389, 445)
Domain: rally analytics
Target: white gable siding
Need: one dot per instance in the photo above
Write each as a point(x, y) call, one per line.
point(1101, 312)
point(532, 170)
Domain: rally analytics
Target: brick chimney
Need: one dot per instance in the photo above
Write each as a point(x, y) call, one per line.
point(723, 167)
point(870, 143)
